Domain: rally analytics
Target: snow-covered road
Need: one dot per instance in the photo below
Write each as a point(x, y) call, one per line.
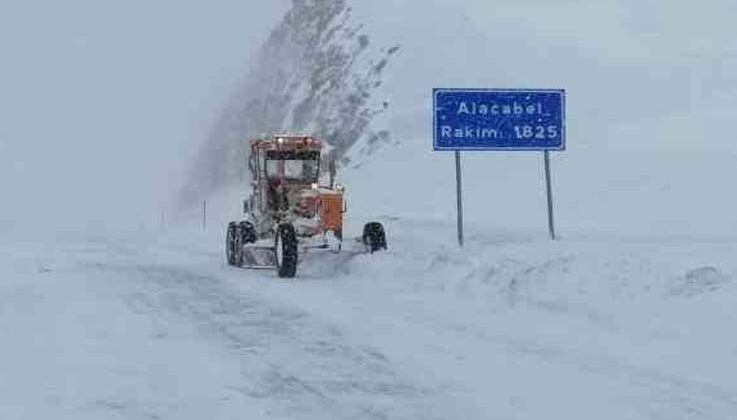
point(116, 331)
point(157, 327)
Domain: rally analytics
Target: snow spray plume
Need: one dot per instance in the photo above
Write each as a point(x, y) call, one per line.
point(310, 76)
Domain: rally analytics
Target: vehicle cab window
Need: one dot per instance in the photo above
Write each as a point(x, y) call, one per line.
point(295, 166)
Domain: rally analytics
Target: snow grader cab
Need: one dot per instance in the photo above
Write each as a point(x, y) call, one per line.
point(291, 210)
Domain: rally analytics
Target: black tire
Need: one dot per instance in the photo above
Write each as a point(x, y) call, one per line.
point(230, 243)
point(286, 249)
point(238, 247)
point(374, 237)
point(248, 233)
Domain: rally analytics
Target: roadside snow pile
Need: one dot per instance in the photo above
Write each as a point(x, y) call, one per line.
point(529, 329)
point(701, 280)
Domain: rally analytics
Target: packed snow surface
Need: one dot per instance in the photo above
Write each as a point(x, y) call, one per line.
point(155, 325)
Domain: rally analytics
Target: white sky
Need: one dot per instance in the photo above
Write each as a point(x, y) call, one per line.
point(653, 67)
point(102, 102)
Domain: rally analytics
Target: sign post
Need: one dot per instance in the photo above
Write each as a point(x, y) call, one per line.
point(459, 194)
point(499, 120)
point(549, 188)
point(204, 214)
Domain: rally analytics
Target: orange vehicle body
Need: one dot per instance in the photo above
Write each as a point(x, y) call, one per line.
point(331, 212)
point(306, 198)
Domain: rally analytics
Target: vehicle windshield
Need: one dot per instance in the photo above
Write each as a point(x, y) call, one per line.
point(303, 166)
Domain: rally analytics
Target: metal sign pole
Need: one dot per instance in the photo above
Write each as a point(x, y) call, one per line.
point(459, 189)
point(548, 184)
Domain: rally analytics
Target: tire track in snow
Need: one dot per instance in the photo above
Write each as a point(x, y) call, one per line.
point(304, 367)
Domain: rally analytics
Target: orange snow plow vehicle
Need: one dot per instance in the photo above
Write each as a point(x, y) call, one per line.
point(290, 211)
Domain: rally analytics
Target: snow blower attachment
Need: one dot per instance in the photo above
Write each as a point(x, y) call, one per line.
point(289, 211)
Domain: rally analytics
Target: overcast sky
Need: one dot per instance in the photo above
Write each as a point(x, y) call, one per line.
point(103, 102)
point(654, 73)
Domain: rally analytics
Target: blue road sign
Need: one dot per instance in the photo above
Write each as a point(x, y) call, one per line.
point(499, 119)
